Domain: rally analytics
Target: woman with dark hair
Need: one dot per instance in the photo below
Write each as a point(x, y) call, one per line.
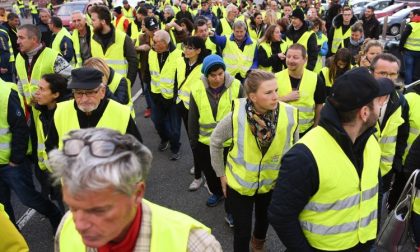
point(188, 74)
point(52, 88)
point(272, 50)
point(340, 63)
point(256, 26)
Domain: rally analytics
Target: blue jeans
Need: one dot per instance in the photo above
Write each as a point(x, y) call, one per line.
point(167, 121)
point(410, 59)
point(19, 179)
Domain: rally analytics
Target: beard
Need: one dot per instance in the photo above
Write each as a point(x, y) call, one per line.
point(88, 108)
point(370, 122)
point(98, 29)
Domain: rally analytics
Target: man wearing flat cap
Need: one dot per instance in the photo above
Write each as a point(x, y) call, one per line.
point(326, 197)
point(89, 109)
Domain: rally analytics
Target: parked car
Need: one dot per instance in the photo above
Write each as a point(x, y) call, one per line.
point(358, 6)
point(65, 10)
point(377, 5)
point(390, 10)
point(394, 21)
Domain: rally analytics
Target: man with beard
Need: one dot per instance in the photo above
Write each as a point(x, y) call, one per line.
point(44, 17)
point(327, 195)
point(89, 109)
point(81, 37)
point(300, 33)
point(112, 45)
point(301, 88)
point(371, 25)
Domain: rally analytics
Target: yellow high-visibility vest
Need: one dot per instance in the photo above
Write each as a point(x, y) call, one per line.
point(248, 171)
point(344, 210)
point(57, 41)
point(41, 152)
point(9, 43)
point(236, 60)
point(186, 85)
point(120, 25)
point(320, 42)
point(305, 104)
point(128, 13)
point(170, 231)
point(339, 38)
point(226, 28)
point(206, 120)
point(413, 40)
point(413, 100)
point(76, 46)
point(114, 85)
point(116, 116)
point(267, 48)
point(114, 54)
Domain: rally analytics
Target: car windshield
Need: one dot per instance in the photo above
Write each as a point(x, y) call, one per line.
point(67, 9)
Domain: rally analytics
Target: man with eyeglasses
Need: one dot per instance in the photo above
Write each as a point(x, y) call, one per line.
point(162, 67)
point(340, 29)
point(89, 109)
point(103, 174)
point(392, 129)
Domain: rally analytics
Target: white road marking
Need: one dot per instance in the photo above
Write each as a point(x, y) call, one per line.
point(137, 95)
point(25, 218)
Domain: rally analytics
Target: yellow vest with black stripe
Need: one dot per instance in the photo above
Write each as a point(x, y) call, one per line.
point(170, 231)
point(162, 82)
point(76, 46)
point(303, 40)
point(114, 55)
point(116, 116)
point(128, 13)
point(236, 60)
point(9, 44)
point(193, 79)
point(320, 42)
point(44, 65)
point(41, 152)
point(58, 38)
point(120, 25)
point(305, 104)
point(248, 171)
point(207, 121)
point(116, 80)
point(339, 38)
point(413, 100)
point(211, 46)
point(344, 210)
point(226, 28)
point(413, 40)
point(267, 48)
point(387, 139)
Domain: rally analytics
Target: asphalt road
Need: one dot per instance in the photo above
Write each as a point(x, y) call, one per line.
point(167, 185)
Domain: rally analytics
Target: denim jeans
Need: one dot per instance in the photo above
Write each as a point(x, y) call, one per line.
point(410, 59)
point(19, 179)
point(167, 121)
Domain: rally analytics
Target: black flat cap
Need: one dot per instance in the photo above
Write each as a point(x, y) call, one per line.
point(85, 78)
point(355, 89)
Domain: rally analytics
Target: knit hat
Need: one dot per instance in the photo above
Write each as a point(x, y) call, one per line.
point(298, 13)
point(210, 61)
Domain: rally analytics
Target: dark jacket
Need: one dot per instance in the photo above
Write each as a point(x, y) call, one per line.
point(180, 15)
point(144, 39)
point(13, 37)
point(90, 121)
point(354, 48)
point(129, 51)
point(299, 180)
point(46, 34)
point(121, 93)
point(312, 46)
point(273, 61)
point(66, 48)
point(404, 36)
point(412, 161)
point(337, 23)
point(371, 27)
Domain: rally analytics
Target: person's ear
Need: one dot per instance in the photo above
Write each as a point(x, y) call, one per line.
point(139, 192)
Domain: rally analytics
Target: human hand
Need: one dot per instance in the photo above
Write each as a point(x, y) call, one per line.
point(281, 56)
point(293, 96)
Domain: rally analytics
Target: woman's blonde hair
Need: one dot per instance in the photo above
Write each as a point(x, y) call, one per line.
point(270, 18)
point(254, 79)
point(99, 64)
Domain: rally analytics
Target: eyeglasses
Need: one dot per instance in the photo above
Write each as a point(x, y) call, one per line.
point(97, 148)
point(387, 75)
point(88, 93)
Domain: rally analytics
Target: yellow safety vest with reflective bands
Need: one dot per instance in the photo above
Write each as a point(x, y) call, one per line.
point(267, 48)
point(185, 85)
point(344, 210)
point(413, 100)
point(413, 40)
point(339, 38)
point(236, 60)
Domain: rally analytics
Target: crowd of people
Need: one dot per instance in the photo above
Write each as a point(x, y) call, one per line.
point(294, 114)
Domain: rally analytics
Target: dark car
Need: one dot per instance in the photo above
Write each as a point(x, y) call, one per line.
point(65, 10)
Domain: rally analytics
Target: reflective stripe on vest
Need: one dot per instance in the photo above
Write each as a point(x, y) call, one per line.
point(305, 103)
point(42, 154)
point(413, 40)
point(206, 120)
point(339, 38)
point(44, 65)
point(116, 116)
point(9, 44)
point(170, 231)
point(413, 101)
point(387, 139)
point(192, 79)
point(248, 171)
point(5, 134)
point(344, 210)
point(114, 55)
point(236, 60)
point(162, 81)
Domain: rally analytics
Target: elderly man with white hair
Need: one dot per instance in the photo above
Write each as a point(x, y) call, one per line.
point(81, 37)
point(103, 174)
point(162, 67)
point(239, 50)
point(226, 24)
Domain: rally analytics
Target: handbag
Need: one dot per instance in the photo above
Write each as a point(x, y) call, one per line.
point(396, 233)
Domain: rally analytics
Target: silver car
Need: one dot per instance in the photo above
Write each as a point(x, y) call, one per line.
point(394, 21)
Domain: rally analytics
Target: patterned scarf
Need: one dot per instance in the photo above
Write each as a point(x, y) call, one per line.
point(263, 126)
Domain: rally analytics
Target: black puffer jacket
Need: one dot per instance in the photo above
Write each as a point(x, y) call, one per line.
point(337, 23)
